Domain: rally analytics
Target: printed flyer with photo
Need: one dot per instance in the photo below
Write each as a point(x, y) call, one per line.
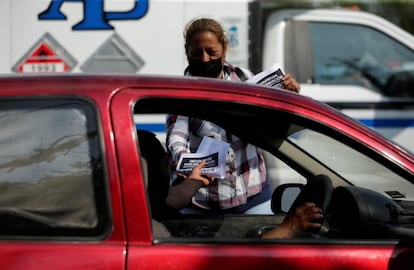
point(272, 77)
point(213, 151)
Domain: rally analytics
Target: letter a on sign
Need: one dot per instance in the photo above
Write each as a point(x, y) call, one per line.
point(42, 58)
point(94, 17)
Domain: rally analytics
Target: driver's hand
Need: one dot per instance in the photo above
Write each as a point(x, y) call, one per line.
point(196, 175)
point(304, 217)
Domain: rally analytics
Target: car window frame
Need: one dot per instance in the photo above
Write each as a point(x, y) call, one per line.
point(332, 131)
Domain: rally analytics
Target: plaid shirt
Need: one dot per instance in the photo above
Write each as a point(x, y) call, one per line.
point(245, 168)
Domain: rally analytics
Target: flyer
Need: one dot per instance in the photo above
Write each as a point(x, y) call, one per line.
point(272, 77)
point(213, 151)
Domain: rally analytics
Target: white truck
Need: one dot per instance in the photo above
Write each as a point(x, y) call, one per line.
point(354, 61)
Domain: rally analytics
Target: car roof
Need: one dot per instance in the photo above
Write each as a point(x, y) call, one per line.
point(104, 86)
point(87, 84)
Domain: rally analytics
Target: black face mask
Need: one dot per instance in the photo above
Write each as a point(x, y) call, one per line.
point(209, 69)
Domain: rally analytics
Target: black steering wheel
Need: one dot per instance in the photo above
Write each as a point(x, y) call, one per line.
point(319, 191)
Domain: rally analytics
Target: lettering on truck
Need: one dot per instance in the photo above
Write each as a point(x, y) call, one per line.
point(94, 16)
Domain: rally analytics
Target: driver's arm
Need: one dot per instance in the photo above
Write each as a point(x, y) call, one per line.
point(179, 196)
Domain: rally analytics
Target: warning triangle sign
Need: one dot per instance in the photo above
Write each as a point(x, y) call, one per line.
point(43, 58)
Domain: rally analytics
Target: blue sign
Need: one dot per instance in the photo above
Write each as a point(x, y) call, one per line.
point(233, 35)
point(94, 16)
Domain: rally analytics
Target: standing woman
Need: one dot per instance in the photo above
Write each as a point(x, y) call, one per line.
point(245, 188)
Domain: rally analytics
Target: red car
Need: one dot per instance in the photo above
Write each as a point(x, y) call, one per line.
point(74, 193)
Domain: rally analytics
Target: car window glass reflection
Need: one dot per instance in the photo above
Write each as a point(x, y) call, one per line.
point(357, 168)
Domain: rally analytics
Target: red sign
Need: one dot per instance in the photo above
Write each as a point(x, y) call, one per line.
point(43, 59)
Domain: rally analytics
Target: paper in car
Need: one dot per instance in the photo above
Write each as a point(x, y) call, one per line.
point(213, 152)
point(272, 77)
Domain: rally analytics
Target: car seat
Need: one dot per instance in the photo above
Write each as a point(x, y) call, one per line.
point(158, 175)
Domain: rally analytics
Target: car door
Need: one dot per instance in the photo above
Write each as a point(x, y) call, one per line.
point(206, 248)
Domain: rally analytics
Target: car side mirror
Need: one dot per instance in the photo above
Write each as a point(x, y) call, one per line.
point(400, 84)
point(283, 197)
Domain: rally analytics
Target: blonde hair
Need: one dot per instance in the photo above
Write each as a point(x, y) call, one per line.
point(204, 24)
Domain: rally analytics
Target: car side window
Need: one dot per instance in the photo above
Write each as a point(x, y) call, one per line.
point(309, 150)
point(51, 169)
point(355, 54)
point(190, 225)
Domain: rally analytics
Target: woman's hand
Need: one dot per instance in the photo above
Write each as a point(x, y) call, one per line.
point(289, 83)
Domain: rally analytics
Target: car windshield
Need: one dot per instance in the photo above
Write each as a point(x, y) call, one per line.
point(357, 168)
point(369, 58)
